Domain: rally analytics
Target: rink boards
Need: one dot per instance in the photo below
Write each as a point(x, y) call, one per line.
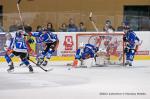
point(68, 44)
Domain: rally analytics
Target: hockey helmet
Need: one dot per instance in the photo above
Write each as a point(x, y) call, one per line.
point(81, 45)
point(19, 33)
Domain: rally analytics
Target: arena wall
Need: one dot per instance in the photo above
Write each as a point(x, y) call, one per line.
point(67, 46)
point(36, 12)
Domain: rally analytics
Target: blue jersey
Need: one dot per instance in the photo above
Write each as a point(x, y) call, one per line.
point(79, 53)
point(88, 50)
point(131, 39)
point(72, 28)
point(19, 44)
point(47, 37)
point(37, 34)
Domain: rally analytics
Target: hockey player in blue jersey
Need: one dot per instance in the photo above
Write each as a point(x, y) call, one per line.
point(87, 51)
point(51, 43)
point(132, 42)
point(17, 47)
point(84, 52)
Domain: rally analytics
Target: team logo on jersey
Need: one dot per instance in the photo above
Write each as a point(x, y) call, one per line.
point(68, 43)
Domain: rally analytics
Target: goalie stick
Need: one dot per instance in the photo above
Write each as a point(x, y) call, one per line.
point(93, 23)
point(95, 27)
point(46, 70)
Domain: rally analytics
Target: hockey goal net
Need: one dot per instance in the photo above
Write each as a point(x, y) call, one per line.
point(110, 46)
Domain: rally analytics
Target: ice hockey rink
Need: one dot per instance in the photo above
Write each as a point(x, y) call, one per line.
point(105, 82)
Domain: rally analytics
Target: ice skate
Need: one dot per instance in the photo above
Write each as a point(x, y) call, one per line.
point(40, 61)
point(11, 67)
point(44, 63)
point(30, 68)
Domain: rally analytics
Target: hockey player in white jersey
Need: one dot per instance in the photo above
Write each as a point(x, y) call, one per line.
point(9, 40)
point(17, 47)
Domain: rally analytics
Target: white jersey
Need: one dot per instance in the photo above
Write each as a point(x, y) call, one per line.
point(7, 44)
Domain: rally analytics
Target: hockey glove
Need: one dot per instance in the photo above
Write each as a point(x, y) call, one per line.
point(126, 50)
point(77, 57)
point(124, 39)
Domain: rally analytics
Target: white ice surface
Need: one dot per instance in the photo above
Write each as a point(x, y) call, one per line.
point(80, 83)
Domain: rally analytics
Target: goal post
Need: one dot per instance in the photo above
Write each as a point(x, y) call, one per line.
point(111, 46)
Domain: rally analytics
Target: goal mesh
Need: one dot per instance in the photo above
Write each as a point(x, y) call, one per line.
point(110, 43)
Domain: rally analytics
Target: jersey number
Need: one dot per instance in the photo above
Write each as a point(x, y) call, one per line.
point(21, 45)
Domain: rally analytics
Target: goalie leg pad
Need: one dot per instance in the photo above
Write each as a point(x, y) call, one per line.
point(89, 62)
point(100, 60)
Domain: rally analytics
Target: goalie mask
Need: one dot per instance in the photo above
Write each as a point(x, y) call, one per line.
point(81, 45)
point(19, 33)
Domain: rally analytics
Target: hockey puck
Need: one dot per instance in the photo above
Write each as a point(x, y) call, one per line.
point(69, 68)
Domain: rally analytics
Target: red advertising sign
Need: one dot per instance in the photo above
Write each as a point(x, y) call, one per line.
point(68, 43)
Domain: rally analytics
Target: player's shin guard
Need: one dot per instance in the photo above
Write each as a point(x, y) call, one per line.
point(49, 53)
point(8, 59)
point(40, 59)
point(130, 57)
point(48, 56)
point(26, 62)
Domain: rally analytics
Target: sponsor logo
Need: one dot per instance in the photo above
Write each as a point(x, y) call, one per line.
point(68, 43)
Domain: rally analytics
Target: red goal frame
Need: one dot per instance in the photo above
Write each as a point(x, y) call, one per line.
point(102, 33)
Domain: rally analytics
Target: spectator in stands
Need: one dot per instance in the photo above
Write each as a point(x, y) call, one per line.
point(81, 27)
point(108, 27)
point(44, 27)
point(120, 28)
point(1, 27)
point(50, 27)
point(71, 26)
point(28, 28)
point(14, 26)
point(38, 28)
point(63, 28)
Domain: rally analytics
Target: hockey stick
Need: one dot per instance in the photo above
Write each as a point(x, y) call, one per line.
point(93, 23)
point(20, 16)
point(46, 70)
point(140, 43)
